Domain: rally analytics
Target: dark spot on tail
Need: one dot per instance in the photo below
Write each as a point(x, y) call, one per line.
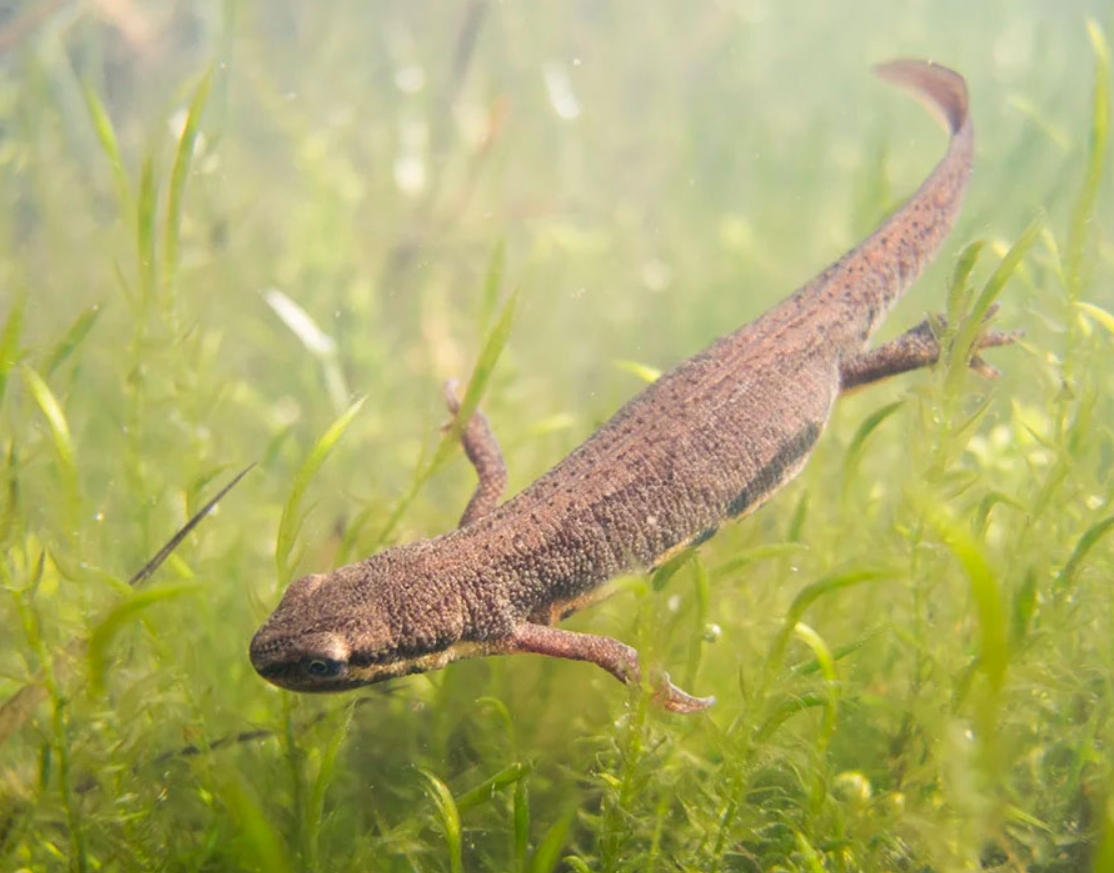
point(776, 471)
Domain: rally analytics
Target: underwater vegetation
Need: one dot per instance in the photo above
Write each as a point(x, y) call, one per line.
point(247, 233)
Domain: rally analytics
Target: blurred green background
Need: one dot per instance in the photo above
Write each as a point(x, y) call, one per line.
point(911, 646)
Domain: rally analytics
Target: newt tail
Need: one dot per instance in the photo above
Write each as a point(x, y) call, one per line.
point(712, 439)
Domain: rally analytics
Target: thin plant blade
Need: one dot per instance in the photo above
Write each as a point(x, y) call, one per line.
point(145, 223)
point(1083, 211)
point(477, 384)
point(291, 520)
point(106, 136)
point(179, 173)
point(120, 616)
point(450, 818)
point(69, 343)
point(9, 343)
point(56, 420)
point(147, 570)
point(968, 331)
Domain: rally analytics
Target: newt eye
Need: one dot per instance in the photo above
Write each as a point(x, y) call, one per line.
point(324, 668)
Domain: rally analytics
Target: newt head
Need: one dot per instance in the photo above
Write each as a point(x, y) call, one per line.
point(357, 625)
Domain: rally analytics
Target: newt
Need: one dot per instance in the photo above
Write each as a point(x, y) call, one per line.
point(711, 440)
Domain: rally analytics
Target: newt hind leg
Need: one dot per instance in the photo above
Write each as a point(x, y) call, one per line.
point(482, 450)
point(916, 348)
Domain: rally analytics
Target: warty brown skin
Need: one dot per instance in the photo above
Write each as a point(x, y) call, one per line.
point(712, 439)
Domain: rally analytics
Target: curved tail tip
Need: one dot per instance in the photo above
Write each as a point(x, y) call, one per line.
point(941, 89)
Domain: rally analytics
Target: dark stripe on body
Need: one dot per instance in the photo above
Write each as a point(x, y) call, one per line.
point(770, 477)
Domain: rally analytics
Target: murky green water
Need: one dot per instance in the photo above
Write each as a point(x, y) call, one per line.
point(224, 223)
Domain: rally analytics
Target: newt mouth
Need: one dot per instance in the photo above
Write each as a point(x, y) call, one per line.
point(309, 662)
point(300, 675)
point(320, 669)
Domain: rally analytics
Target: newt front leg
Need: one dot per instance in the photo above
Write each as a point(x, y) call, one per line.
point(483, 452)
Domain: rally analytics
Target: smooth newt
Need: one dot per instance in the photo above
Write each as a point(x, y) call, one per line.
point(712, 439)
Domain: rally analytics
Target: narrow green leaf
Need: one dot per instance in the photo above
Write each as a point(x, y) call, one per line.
point(702, 588)
point(827, 668)
point(795, 529)
point(504, 715)
point(275, 445)
point(548, 852)
point(46, 760)
point(752, 556)
point(809, 667)
point(1086, 542)
point(987, 504)
point(1038, 116)
point(1016, 814)
point(786, 709)
point(106, 136)
point(1005, 270)
point(11, 514)
point(814, 860)
point(1104, 850)
point(824, 659)
point(291, 520)
point(477, 384)
point(9, 342)
point(483, 792)
point(647, 374)
point(36, 575)
point(961, 432)
point(56, 419)
point(989, 605)
point(450, 818)
point(318, 343)
point(990, 610)
point(315, 811)
point(148, 569)
point(1052, 255)
point(262, 845)
point(1083, 211)
point(481, 374)
point(180, 173)
point(1024, 605)
point(493, 281)
point(959, 295)
point(73, 338)
point(701, 633)
point(1100, 315)
point(146, 220)
point(120, 615)
point(854, 454)
point(122, 281)
point(830, 585)
point(808, 596)
point(968, 331)
point(521, 823)
point(663, 572)
point(551, 424)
